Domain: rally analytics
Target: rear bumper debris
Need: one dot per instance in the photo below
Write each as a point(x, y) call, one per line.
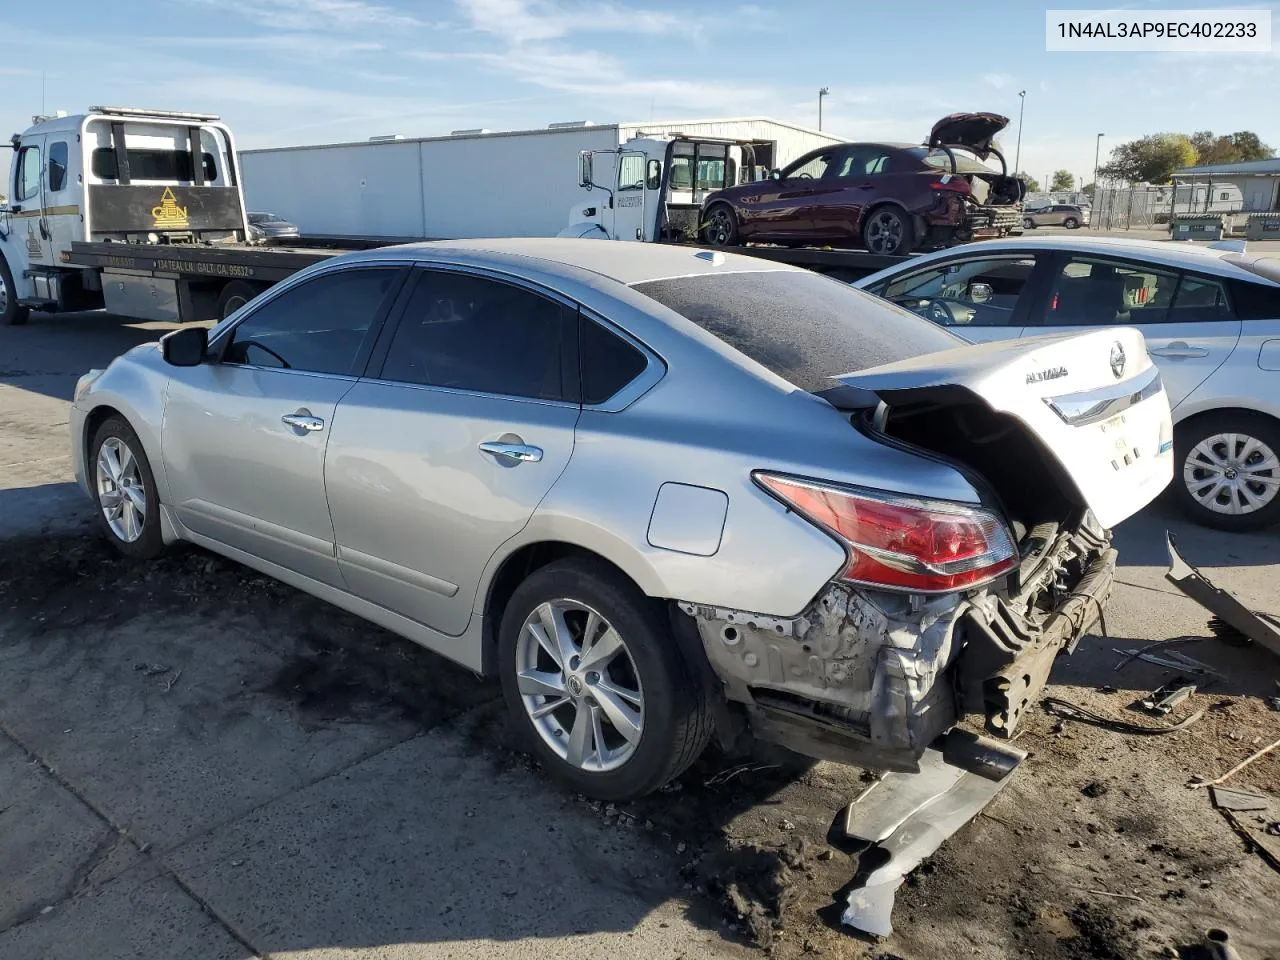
point(1234, 614)
point(872, 679)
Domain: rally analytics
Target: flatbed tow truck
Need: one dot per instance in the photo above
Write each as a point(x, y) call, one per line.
point(141, 212)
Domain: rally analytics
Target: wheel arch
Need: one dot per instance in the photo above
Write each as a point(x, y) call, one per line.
point(868, 210)
point(1219, 407)
point(514, 569)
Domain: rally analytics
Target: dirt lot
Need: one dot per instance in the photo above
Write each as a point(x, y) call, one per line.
point(197, 761)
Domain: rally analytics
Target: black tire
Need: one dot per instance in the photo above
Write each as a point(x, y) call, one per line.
point(234, 296)
point(720, 228)
point(677, 719)
point(149, 543)
point(888, 231)
point(11, 314)
point(1071, 223)
point(1028, 223)
point(1202, 429)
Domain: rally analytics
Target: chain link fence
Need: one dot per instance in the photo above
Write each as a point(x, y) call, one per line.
point(1149, 207)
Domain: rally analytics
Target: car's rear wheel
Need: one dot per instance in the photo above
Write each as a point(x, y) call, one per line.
point(887, 231)
point(1227, 472)
point(11, 314)
point(720, 229)
point(1028, 223)
point(1071, 223)
point(597, 683)
point(125, 488)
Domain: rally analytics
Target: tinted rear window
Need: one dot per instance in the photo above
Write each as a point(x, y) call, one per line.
point(1255, 301)
point(804, 327)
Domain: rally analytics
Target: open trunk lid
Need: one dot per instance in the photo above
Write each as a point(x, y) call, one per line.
point(1092, 405)
point(975, 131)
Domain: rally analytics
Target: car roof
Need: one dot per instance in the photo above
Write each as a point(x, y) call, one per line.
point(625, 261)
point(1177, 254)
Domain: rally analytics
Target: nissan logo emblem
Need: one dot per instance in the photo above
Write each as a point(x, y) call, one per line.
point(1117, 359)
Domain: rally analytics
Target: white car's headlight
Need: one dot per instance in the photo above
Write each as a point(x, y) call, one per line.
point(85, 382)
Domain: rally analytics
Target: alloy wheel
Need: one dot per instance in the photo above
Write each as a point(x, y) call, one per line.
point(579, 686)
point(720, 228)
point(884, 232)
point(1232, 473)
point(121, 492)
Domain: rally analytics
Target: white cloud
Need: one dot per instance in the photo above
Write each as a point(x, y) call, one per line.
point(530, 21)
point(318, 15)
point(997, 80)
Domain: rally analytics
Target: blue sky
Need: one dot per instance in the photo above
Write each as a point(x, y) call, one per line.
point(308, 71)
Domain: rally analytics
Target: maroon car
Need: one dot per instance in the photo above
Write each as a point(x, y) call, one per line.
point(890, 198)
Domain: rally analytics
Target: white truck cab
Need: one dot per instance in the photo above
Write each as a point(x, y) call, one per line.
point(652, 188)
point(114, 174)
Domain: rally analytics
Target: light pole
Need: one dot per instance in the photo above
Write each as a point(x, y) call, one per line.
point(824, 92)
point(1017, 156)
point(1097, 146)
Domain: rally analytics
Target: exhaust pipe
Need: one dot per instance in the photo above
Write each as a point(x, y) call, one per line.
point(986, 758)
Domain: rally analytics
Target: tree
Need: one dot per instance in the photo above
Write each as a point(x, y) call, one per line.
point(1062, 180)
point(1150, 159)
point(1240, 147)
point(1089, 189)
point(1031, 183)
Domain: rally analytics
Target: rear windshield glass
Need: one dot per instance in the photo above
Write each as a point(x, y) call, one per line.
point(804, 327)
point(170, 165)
point(940, 160)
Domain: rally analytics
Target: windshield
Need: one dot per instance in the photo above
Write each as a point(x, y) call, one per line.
point(265, 218)
point(804, 327)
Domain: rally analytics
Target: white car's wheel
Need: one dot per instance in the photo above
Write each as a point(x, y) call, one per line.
point(1227, 470)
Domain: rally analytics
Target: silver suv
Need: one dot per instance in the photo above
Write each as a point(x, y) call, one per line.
point(1210, 316)
point(1056, 215)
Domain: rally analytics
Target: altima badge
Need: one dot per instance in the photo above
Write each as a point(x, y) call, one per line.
point(1117, 359)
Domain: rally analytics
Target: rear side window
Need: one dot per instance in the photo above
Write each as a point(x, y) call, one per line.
point(1103, 293)
point(1200, 299)
point(1255, 301)
point(609, 363)
point(473, 333)
point(802, 326)
point(57, 166)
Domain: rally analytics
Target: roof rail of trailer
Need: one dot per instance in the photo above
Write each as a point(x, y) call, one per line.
point(160, 114)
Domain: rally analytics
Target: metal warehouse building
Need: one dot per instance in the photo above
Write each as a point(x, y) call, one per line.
point(1257, 180)
point(473, 183)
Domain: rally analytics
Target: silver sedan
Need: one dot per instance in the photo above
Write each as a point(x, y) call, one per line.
point(660, 493)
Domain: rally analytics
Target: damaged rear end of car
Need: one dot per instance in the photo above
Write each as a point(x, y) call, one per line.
point(947, 610)
point(985, 203)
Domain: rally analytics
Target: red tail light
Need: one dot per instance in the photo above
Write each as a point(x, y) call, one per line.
point(952, 183)
point(903, 543)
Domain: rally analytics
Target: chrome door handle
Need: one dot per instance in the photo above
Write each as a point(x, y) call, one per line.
point(1179, 350)
point(511, 452)
point(302, 421)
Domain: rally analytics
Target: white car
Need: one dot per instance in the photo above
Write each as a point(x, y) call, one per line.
point(1210, 316)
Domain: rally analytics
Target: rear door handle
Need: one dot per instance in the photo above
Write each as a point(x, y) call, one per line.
point(302, 421)
point(511, 452)
point(1179, 350)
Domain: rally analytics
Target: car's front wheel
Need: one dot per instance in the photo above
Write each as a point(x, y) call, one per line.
point(125, 488)
point(1227, 473)
point(597, 683)
point(887, 231)
point(720, 229)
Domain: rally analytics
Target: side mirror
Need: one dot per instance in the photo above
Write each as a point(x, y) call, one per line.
point(775, 174)
point(185, 347)
point(653, 175)
point(980, 292)
point(584, 168)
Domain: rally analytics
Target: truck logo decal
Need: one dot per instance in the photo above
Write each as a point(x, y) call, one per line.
point(33, 243)
point(1053, 373)
point(169, 214)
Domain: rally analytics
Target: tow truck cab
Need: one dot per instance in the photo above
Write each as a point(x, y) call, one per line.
point(652, 187)
point(120, 175)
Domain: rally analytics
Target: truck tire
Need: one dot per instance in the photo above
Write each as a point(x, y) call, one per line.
point(11, 314)
point(234, 296)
